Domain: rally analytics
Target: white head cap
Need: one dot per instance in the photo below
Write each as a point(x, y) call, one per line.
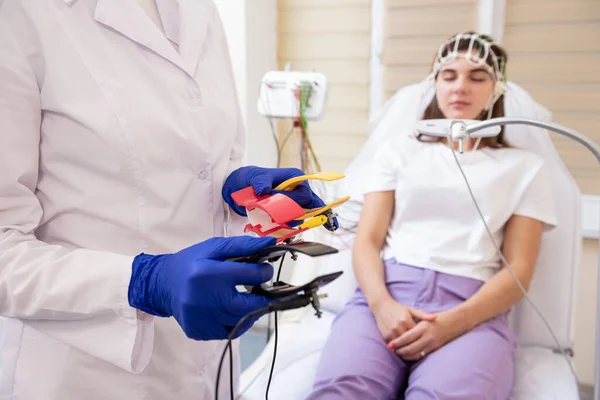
point(479, 50)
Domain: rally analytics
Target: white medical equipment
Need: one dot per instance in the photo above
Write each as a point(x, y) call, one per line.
point(280, 92)
point(298, 96)
point(541, 373)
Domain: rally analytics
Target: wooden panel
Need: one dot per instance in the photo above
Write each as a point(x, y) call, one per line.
point(411, 51)
point(391, 4)
point(395, 78)
point(348, 97)
point(355, 72)
point(286, 4)
point(580, 161)
point(328, 163)
point(554, 53)
point(560, 97)
point(555, 38)
point(332, 37)
point(441, 21)
point(344, 122)
point(336, 20)
point(575, 68)
point(544, 2)
point(330, 46)
point(414, 31)
point(334, 163)
point(586, 123)
point(552, 12)
point(329, 146)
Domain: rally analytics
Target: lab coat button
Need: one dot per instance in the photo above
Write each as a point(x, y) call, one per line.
point(202, 175)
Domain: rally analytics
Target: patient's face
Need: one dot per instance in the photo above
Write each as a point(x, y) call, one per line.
point(463, 90)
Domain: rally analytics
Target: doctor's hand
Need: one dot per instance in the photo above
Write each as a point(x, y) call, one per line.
point(426, 337)
point(197, 286)
point(263, 180)
point(394, 319)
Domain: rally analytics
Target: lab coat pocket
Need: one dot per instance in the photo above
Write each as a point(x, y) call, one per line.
point(40, 358)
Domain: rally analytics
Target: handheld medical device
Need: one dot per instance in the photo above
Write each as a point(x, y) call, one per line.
point(285, 296)
point(271, 215)
point(456, 129)
point(463, 129)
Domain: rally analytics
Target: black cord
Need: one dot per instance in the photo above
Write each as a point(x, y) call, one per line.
point(231, 394)
point(277, 279)
point(272, 362)
point(289, 303)
point(232, 335)
point(228, 347)
point(276, 336)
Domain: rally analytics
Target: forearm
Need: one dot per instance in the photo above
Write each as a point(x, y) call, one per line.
point(495, 297)
point(370, 274)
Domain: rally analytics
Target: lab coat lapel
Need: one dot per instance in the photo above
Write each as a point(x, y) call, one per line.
point(195, 17)
point(127, 18)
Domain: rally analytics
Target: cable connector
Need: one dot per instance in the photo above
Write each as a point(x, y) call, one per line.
point(290, 303)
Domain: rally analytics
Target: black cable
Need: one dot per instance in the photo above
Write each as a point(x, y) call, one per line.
point(289, 303)
point(272, 362)
point(279, 147)
point(228, 346)
point(231, 394)
point(276, 336)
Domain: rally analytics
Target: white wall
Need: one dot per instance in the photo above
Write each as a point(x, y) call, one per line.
point(251, 29)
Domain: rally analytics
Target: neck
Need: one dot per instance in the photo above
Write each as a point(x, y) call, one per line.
point(468, 145)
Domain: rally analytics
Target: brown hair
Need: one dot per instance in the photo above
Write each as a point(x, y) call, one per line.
point(433, 111)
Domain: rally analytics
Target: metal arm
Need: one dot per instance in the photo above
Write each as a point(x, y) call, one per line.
point(591, 146)
point(572, 133)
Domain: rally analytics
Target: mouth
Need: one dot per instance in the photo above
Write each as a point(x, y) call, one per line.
point(460, 104)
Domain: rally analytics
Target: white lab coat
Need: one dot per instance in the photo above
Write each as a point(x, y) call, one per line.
point(112, 143)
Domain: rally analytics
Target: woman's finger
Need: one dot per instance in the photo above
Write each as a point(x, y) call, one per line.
point(407, 337)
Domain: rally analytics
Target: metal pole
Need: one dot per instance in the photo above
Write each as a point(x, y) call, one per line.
point(597, 357)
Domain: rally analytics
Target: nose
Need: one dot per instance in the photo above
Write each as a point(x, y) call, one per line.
point(461, 84)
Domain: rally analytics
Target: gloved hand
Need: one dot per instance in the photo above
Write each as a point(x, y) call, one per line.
point(263, 180)
point(197, 286)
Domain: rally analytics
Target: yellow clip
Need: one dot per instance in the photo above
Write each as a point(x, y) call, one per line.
point(291, 184)
point(313, 222)
point(321, 210)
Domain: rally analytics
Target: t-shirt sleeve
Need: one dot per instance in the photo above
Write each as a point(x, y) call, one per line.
point(537, 199)
point(383, 174)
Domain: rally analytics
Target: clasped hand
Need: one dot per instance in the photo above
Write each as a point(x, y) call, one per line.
point(413, 333)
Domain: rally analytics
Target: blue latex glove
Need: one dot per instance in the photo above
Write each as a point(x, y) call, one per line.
point(197, 286)
point(263, 180)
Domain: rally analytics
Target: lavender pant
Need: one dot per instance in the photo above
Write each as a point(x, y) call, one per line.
point(356, 363)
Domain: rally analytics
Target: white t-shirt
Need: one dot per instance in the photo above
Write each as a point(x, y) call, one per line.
point(435, 223)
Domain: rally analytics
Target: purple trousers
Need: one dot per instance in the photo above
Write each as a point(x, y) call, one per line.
point(357, 364)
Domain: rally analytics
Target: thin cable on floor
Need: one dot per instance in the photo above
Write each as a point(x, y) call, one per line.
point(539, 313)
